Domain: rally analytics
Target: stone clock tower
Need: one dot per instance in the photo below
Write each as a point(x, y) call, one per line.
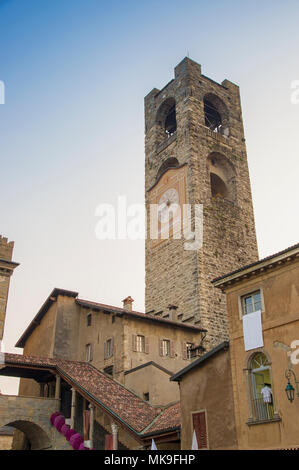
point(195, 155)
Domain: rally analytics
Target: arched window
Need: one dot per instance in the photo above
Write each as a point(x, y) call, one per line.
point(222, 177)
point(216, 114)
point(166, 119)
point(261, 387)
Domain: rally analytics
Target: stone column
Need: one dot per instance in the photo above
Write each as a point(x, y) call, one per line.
point(57, 387)
point(73, 408)
point(91, 426)
point(114, 428)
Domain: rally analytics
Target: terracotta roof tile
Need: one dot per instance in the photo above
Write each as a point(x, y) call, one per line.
point(170, 418)
point(128, 407)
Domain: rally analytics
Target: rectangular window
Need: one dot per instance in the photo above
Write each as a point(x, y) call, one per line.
point(146, 396)
point(140, 343)
point(165, 347)
point(88, 353)
point(251, 302)
point(89, 316)
point(108, 348)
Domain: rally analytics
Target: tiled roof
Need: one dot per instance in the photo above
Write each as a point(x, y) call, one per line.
point(95, 305)
point(134, 411)
point(135, 314)
point(117, 400)
point(286, 251)
point(38, 361)
point(170, 418)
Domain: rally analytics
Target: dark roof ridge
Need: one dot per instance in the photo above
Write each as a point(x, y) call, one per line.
point(256, 263)
point(146, 364)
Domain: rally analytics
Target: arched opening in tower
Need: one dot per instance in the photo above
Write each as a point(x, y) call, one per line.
point(218, 187)
point(212, 117)
point(170, 121)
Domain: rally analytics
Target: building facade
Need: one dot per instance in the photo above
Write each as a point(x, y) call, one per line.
point(115, 340)
point(263, 314)
point(206, 401)
point(195, 155)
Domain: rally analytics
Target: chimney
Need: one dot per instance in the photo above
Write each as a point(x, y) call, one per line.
point(127, 303)
point(172, 310)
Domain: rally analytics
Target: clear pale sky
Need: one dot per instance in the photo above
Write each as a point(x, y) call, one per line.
point(72, 129)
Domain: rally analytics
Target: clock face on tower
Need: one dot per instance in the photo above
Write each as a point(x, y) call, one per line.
point(169, 196)
point(168, 203)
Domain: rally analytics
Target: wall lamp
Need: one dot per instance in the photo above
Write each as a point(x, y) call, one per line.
point(290, 391)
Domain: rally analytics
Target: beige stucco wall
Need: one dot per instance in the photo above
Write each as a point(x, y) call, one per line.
point(280, 324)
point(161, 390)
point(103, 327)
point(209, 387)
point(154, 332)
point(39, 343)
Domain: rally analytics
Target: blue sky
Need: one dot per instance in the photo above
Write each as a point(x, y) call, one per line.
point(72, 128)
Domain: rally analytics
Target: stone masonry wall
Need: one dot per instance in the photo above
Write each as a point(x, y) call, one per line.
point(6, 270)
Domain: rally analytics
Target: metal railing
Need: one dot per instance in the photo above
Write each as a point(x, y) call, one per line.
point(262, 411)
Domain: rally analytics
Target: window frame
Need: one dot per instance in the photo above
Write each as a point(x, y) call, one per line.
point(206, 423)
point(255, 417)
point(140, 343)
point(108, 348)
point(247, 293)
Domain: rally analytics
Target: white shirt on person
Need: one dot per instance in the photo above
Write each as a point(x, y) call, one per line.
point(267, 394)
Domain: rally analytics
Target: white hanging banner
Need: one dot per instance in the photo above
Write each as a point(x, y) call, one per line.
point(252, 330)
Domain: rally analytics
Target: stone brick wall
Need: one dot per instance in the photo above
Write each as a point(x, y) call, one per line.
point(6, 270)
point(174, 275)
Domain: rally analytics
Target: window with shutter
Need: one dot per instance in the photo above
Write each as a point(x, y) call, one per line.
point(146, 345)
point(199, 424)
point(171, 349)
point(108, 442)
point(184, 350)
point(160, 347)
point(134, 343)
point(140, 346)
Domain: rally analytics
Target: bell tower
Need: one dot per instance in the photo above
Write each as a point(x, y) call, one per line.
point(7, 267)
point(195, 155)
